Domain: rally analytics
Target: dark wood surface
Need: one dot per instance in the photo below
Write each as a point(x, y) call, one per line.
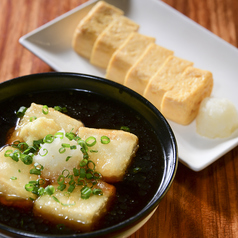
point(198, 204)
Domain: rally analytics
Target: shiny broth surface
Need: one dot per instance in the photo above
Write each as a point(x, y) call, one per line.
point(95, 111)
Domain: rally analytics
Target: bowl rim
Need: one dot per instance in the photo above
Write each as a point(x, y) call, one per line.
point(168, 176)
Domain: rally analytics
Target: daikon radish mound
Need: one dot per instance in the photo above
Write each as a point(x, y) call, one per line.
point(217, 118)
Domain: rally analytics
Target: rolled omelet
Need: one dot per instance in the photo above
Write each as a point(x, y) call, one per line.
point(164, 80)
point(149, 63)
point(92, 25)
point(111, 39)
point(126, 56)
point(181, 103)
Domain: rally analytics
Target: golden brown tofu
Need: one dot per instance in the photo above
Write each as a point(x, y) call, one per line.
point(111, 39)
point(142, 71)
point(92, 25)
point(13, 178)
point(112, 159)
point(40, 128)
point(164, 79)
point(181, 104)
point(77, 213)
point(126, 56)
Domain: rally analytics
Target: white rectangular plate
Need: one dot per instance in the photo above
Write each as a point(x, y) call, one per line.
point(52, 43)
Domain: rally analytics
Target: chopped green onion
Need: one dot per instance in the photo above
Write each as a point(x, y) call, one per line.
point(8, 153)
point(29, 187)
point(41, 191)
point(59, 135)
point(83, 145)
point(45, 109)
point(66, 145)
point(76, 172)
point(105, 139)
point(93, 151)
point(91, 162)
point(22, 146)
point(56, 199)
point(60, 109)
point(85, 192)
point(62, 150)
point(50, 190)
point(136, 170)
point(26, 159)
point(73, 147)
point(83, 162)
point(48, 139)
point(70, 135)
point(81, 181)
point(33, 118)
point(66, 170)
point(21, 111)
point(44, 150)
point(97, 191)
point(37, 170)
point(89, 176)
point(68, 157)
point(90, 141)
point(13, 178)
point(40, 181)
point(71, 188)
point(61, 179)
point(125, 128)
point(82, 173)
point(15, 144)
point(61, 187)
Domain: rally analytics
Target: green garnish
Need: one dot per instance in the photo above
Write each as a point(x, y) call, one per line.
point(45, 109)
point(90, 141)
point(125, 128)
point(21, 111)
point(105, 140)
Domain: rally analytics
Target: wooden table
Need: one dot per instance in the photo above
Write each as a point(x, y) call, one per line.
point(199, 204)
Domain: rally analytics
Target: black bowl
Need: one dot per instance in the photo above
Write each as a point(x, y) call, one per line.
point(92, 84)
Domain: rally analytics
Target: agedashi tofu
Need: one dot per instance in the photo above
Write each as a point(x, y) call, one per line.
point(30, 127)
point(165, 79)
point(111, 39)
point(111, 158)
point(142, 71)
point(92, 25)
point(14, 175)
point(181, 104)
point(126, 56)
point(38, 129)
point(77, 213)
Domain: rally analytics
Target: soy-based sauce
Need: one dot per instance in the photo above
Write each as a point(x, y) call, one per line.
point(95, 111)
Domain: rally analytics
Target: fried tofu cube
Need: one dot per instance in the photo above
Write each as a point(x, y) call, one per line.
point(181, 104)
point(111, 39)
point(13, 178)
point(55, 158)
point(92, 25)
point(61, 121)
point(111, 159)
point(38, 129)
point(73, 211)
point(164, 79)
point(143, 70)
point(126, 56)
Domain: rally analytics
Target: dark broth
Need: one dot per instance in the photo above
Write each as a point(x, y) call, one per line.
point(95, 111)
